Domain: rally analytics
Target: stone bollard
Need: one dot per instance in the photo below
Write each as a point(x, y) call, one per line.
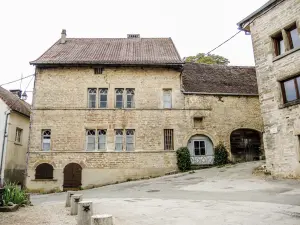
point(104, 219)
point(75, 199)
point(68, 199)
point(85, 212)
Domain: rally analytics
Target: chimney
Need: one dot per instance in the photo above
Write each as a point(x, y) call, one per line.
point(63, 36)
point(131, 36)
point(16, 92)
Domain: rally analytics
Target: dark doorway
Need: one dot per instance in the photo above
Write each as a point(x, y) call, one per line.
point(245, 145)
point(72, 176)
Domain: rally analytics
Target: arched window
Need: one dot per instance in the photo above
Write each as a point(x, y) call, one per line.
point(44, 171)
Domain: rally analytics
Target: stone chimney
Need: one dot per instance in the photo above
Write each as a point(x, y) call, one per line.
point(16, 92)
point(63, 36)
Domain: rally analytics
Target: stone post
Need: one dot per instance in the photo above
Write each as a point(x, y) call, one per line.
point(68, 199)
point(85, 212)
point(104, 219)
point(75, 199)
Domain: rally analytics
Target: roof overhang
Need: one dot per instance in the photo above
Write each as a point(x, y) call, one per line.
point(245, 23)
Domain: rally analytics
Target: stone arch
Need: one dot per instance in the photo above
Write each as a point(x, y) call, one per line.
point(204, 133)
point(36, 164)
point(81, 163)
point(44, 171)
point(245, 144)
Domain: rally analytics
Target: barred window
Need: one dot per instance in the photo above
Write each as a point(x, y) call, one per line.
point(119, 98)
point(129, 140)
point(98, 70)
point(168, 139)
point(102, 139)
point(91, 140)
point(119, 140)
point(129, 98)
point(92, 92)
point(46, 140)
point(103, 97)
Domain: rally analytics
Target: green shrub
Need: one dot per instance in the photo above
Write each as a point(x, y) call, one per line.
point(221, 155)
point(183, 159)
point(14, 194)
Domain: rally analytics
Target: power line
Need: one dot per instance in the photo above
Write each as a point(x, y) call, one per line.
point(16, 80)
point(242, 30)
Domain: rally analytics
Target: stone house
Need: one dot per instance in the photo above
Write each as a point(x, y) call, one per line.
point(14, 135)
point(107, 110)
point(275, 31)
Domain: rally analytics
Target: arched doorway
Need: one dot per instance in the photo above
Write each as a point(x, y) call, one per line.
point(201, 150)
point(245, 145)
point(72, 176)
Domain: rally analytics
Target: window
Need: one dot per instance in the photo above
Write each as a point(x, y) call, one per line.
point(44, 171)
point(129, 98)
point(168, 139)
point(119, 98)
point(18, 137)
point(290, 89)
point(46, 140)
point(90, 140)
point(129, 140)
point(103, 97)
point(279, 44)
point(167, 98)
point(199, 148)
point(98, 70)
point(102, 139)
point(293, 36)
point(119, 140)
point(92, 92)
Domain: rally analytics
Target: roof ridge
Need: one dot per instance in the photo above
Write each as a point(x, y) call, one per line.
point(220, 65)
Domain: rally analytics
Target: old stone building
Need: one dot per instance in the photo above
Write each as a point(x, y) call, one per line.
point(111, 109)
point(275, 31)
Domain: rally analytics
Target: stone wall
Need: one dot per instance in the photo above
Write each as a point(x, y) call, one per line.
point(60, 104)
point(281, 123)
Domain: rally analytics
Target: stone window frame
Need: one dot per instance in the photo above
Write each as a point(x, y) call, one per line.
point(98, 70)
point(201, 119)
point(46, 139)
point(167, 103)
point(295, 78)
point(125, 103)
point(44, 171)
point(169, 139)
point(19, 135)
point(285, 36)
point(103, 92)
point(122, 137)
point(96, 93)
point(93, 137)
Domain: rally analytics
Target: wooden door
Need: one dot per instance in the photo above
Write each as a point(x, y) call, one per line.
point(72, 176)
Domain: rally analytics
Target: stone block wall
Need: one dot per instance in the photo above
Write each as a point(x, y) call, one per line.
point(281, 123)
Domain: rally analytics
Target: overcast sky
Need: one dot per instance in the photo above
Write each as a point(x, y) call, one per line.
point(30, 27)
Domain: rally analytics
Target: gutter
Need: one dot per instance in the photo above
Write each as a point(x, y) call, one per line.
point(222, 94)
point(5, 134)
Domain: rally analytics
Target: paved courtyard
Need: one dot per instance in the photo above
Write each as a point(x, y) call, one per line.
point(228, 195)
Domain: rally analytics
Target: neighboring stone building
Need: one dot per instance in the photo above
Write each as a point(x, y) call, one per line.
point(107, 110)
point(14, 135)
point(275, 29)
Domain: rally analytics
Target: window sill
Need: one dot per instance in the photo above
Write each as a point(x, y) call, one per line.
point(42, 180)
point(286, 54)
point(17, 143)
point(288, 104)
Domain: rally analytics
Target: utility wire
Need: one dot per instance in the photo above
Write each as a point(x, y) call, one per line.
point(16, 80)
point(242, 30)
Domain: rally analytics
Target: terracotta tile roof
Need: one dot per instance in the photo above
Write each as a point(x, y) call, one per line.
point(14, 102)
point(114, 51)
point(216, 79)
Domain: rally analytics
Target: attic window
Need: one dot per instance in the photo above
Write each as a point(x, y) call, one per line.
point(133, 36)
point(98, 70)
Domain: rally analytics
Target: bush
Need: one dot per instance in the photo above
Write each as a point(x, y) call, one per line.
point(221, 155)
point(14, 194)
point(183, 159)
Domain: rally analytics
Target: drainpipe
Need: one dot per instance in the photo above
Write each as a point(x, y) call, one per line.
point(3, 149)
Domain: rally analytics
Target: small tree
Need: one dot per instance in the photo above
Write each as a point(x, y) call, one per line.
point(183, 159)
point(221, 155)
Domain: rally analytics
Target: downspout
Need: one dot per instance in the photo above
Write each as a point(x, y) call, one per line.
point(3, 149)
